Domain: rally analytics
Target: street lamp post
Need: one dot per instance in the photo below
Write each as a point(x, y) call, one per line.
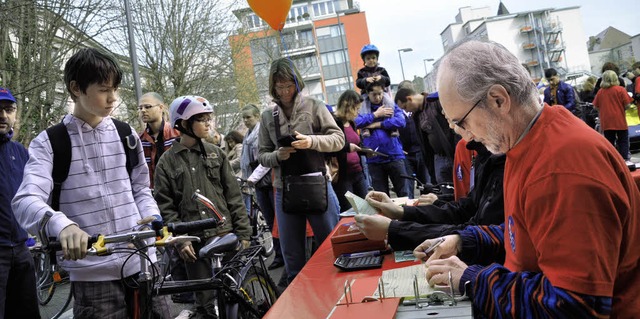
point(400, 56)
point(425, 66)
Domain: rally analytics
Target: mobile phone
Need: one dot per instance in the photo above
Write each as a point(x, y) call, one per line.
point(286, 140)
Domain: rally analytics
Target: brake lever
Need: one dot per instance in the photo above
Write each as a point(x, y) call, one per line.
point(181, 239)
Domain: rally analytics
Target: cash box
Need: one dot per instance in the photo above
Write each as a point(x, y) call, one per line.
point(345, 241)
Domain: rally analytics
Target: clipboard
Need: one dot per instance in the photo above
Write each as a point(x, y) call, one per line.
point(369, 152)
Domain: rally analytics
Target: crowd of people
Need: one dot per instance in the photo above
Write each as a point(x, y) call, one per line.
point(539, 225)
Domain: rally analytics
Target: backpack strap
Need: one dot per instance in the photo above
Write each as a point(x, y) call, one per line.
point(129, 142)
point(61, 146)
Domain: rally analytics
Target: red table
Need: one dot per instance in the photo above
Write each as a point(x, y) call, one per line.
point(319, 285)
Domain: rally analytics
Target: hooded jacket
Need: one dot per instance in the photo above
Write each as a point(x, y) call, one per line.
point(99, 195)
point(381, 139)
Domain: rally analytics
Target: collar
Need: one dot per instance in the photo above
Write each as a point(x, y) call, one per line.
point(528, 128)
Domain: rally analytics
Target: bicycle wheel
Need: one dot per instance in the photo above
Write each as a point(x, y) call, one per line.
point(59, 302)
point(264, 237)
point(258, 290)
point(45, 287)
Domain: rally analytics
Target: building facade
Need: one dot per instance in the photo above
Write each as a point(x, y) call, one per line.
point(322, 38)
point(541, 39)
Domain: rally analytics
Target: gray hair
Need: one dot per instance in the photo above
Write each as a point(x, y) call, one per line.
point(479, 65)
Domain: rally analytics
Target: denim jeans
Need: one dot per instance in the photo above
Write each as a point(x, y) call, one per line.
point(382, 172)
point(620, 140)
point(356, 183)
point(18, 281)
point(292, 228)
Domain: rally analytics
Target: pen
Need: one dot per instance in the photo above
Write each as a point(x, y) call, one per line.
point(363, 254)
point(434, 246)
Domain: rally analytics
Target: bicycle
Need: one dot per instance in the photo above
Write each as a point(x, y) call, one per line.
point(243, 286)
point(261, 232)
point(49, 279)
point(444, 190)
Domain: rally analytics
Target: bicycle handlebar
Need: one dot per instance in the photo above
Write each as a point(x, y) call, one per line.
point(163, 235)
point(187, 227)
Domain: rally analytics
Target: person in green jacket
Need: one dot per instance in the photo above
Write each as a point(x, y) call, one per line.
point(193, 165)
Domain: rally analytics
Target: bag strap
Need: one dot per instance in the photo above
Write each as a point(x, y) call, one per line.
point(276, 120)
point(61, 146)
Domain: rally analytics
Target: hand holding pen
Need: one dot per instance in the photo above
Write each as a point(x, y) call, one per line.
point(438, 248)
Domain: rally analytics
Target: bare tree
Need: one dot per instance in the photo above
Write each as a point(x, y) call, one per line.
point(37, 36)
point(182, 49)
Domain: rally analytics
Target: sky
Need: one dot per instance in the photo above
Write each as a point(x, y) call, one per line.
point(417, 24)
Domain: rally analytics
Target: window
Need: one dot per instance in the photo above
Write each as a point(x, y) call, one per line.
point(323, 8)
point(253, 21)
point(331, 58)
point(297, 13)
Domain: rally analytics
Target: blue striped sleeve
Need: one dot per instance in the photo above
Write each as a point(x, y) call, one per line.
point(498, 293)
point(482, 244)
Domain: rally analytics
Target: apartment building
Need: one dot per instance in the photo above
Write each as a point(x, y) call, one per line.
point(322, 38)
point(540, 39)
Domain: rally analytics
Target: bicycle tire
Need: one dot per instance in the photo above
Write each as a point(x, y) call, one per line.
point(45, 287)
point(264, 237)
point(59, 302)
point(259, 290)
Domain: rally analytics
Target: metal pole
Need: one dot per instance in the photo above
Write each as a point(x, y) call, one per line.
point(132, 51)
point(344, 55)
point(401, 68)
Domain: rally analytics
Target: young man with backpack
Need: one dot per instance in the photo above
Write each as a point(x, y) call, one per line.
point(100, 194)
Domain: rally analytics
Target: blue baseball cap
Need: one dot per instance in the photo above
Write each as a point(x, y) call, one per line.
point(5, 94)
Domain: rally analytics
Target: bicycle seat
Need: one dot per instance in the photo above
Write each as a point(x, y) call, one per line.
point(218, 245)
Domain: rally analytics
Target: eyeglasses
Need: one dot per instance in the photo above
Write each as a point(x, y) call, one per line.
point(459, 122)
point(204, 119)
point(283, 88)
point(9, 109)
point(146, 106)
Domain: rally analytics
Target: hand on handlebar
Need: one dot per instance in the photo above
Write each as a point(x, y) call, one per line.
point(74, 242)
point(187, 253)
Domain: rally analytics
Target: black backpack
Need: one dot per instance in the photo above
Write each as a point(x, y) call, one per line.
point(61, 146)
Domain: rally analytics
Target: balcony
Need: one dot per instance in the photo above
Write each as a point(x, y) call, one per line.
point(526, 28)
point(300, 22)
point(297, 48)
point(532, 63)
point(528, 45)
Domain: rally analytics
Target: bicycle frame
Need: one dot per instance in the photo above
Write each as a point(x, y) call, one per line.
point(223, 281)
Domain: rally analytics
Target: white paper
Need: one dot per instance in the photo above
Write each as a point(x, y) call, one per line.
point(359, 204)
point(399, 282)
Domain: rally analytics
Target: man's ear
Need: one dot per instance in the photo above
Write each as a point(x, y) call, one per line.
point(499, 98)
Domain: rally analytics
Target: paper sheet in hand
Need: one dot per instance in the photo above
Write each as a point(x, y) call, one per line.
point(360, 206)
point(399, 282)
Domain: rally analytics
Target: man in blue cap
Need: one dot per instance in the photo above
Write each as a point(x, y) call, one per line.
point(17, 275)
